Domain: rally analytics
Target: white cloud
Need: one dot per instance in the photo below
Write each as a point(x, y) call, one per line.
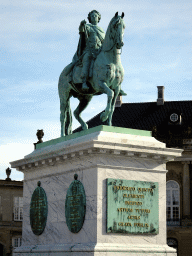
point(138, 84)
point(163, 67)
point(65, 16)
point(27, 88)
point(14, 151)
point(33, 26)
point(11, 152)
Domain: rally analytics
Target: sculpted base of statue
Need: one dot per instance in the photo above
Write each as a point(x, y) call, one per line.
point(96, 69)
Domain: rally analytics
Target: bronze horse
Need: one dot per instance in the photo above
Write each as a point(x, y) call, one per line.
point(107, 77)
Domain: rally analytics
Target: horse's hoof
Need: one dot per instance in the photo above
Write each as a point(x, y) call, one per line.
point(103, 117)
point(109, 123)
point(85, 127)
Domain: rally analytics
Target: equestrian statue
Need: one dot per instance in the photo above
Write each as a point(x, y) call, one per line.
point(95, 69)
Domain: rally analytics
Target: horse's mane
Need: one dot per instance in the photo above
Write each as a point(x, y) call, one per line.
point(108, 41)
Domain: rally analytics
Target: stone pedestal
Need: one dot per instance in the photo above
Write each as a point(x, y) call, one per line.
point(94, 155)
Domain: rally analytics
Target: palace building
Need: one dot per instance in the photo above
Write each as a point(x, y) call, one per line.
point(11, 214)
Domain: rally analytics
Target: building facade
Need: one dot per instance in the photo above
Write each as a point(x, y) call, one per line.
point(179, 212)
point(11, 215)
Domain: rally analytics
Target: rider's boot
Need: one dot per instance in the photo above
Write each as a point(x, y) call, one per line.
point(84, 79)
point(85, 71)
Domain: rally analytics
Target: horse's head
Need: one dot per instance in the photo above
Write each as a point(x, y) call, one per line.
point(117, 27)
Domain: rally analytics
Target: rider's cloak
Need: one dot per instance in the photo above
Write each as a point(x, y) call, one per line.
point(90, 40)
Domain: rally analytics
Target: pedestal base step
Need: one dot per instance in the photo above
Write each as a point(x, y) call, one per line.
point(95, 249)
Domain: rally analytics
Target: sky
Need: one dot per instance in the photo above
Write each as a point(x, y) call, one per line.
point(39, 38)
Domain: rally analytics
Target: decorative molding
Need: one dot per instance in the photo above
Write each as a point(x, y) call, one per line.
point(146, 148)
point(129, 154)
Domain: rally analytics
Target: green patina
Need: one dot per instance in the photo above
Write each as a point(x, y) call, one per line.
point(95, 69)
point(75, 206)
point(38, 210)
point(92, 130)
point(132, 207)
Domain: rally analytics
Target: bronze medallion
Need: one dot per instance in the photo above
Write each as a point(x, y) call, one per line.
point(75, 206)
point(38, 210)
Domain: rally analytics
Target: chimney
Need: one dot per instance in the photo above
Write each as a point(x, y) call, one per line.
point(118, 102)
point(160, 99)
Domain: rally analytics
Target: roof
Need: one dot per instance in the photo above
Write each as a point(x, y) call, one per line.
point(145, 115)
point(11, 183)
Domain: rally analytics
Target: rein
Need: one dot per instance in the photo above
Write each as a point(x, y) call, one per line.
point(109, 49)
point(112, 48)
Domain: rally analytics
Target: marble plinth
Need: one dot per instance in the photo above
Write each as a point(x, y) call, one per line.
point(99, 154)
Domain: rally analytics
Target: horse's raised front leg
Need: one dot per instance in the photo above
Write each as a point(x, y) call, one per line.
point(110, 94)
point(83, 103)
point(116, 93)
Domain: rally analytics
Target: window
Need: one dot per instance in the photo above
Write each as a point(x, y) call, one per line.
point(16, 241)
point(173, 202)
point(174, 117)
point(18, 208)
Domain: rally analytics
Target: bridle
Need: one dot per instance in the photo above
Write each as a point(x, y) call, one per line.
point(115, 36)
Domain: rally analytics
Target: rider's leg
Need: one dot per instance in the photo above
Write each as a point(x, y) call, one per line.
point(83, 103)
point(85, 70)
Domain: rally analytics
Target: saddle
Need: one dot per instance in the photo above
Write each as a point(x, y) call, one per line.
point(76, 71)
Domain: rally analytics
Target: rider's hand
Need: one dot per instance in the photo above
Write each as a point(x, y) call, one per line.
point(81, 26)
point(83, 22)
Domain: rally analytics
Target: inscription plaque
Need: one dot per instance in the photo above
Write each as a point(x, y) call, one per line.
point(132, 206)
point(38, 210)
point(75, 206)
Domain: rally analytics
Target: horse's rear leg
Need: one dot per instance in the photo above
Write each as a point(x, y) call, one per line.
point(65, 112)
point(62, 116)
point(68, 126)
point(83, 103)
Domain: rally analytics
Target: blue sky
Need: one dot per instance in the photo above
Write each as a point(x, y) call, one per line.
point(38, 39)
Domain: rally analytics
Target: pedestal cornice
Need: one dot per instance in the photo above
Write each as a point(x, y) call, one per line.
point(100, 142)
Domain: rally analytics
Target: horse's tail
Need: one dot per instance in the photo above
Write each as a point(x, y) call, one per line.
point(63, 79)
